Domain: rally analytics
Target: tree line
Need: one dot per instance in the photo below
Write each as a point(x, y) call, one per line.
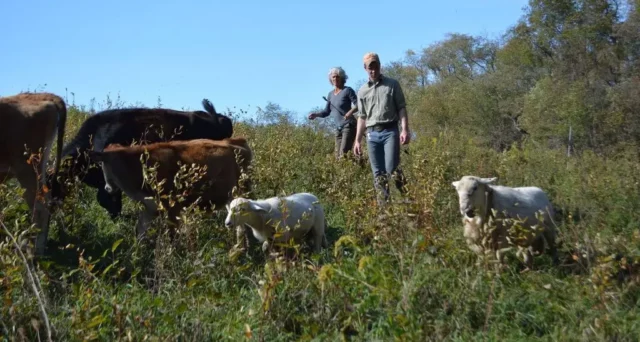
point(565, 66)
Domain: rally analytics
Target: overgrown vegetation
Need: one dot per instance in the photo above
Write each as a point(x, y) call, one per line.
point(401, 273)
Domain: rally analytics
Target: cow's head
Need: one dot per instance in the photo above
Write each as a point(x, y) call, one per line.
point(471, 194)
point(105, 159)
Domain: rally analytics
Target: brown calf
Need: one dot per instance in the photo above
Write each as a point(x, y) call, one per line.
point(28, 124)
point(122, 168)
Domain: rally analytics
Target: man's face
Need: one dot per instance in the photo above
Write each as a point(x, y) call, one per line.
point(373, 70)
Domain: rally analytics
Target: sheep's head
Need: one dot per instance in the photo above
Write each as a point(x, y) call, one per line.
point(238, 211)
point(471, 194)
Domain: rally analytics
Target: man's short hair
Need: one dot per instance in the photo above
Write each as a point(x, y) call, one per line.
point(370, 57)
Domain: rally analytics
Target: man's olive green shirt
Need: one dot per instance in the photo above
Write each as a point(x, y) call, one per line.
point(380, 102)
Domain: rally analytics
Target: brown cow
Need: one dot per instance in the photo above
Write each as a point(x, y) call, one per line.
point(28, 124)
point(122, 168)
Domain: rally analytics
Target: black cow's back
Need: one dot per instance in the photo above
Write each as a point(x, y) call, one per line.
point(140, 125)
point(124, 126)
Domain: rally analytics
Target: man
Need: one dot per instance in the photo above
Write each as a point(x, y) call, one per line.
point(381, 104)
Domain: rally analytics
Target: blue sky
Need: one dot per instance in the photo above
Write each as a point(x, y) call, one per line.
point(238, 54)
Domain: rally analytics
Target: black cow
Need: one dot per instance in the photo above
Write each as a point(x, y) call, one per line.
point(126, 126)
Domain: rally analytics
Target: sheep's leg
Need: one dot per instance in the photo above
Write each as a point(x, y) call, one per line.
point(242, 242)
point(323, 232)
point(527, 257)
point(477, 250)
point(498, 262)
point(500, 259)
point(550, 236)
point(474, 247)
point(318, 230)
point(318, 239)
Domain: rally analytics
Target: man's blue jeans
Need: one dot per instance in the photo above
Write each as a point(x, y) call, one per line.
point(384, 156)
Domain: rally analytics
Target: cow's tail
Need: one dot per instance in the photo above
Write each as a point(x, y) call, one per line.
point(246, 155)
point(62, 122)
point(208, 106)
point(242, 145)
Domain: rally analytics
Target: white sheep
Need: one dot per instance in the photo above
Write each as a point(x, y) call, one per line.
point(492, 215)
point(296, 216)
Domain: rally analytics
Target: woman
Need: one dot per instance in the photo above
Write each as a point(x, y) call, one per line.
point(342, 102)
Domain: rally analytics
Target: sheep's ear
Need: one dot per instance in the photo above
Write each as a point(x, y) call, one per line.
point(489, 180)
point(455, 184)
point(256, 207)
point(228, 207)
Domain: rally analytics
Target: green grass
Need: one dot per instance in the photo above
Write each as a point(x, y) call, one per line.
point(401, 274)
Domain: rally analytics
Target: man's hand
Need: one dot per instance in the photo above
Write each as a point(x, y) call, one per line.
point(405, 134)
point(313, 116)
point(357, 149)
point(405, 137)
point(360, 128)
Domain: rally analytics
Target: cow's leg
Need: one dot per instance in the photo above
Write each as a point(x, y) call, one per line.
point(537, 246)
point(173, 220)
point(144, 219)
point(141, 226)
point(145, 216)
point(112, 202)
point(266, 246)
point(36, 200)
point(4, 176)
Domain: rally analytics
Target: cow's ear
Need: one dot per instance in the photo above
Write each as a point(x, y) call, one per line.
point(489, 180)
point(455, 184)
point(96, 156)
